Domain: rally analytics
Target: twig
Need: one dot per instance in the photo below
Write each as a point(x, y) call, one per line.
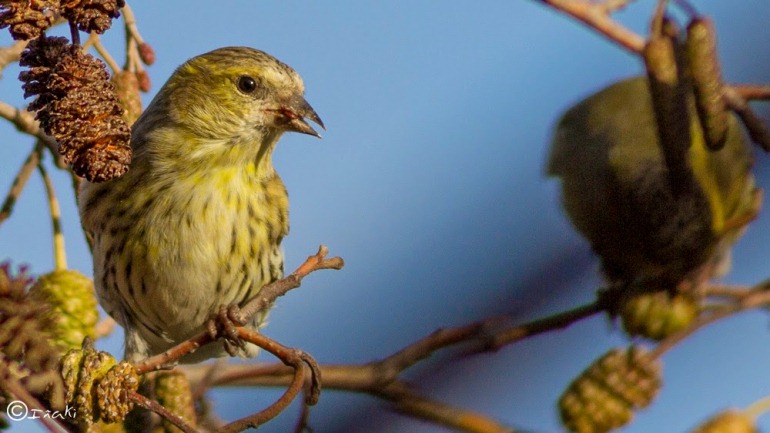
point(610, 6)
point(25, 122)
point(752, 91)
point(259, 418)
point(758, 408)
point(268, 294)
point(11, 54)
point(550, 323)
point(656, 27)
point(105, 327)
point(596, 16)
point(365, 377)
point(381, 378)
point(757, 129)
point(19, 392)
point(173, 354)
point(296, 360)
point(727, 291)
point(202, 386)
point(759, 296)
point(90, 41)
point(292, 357)
point(714, 315)
point(130, 20)
point(74, 33)
point(76, 181)
point(59, 252)
point(154, 406)
point(105, 54)
point(19, 182)
point(133, 39)
point(304, 416)
point(133, 61)
point(406, 401)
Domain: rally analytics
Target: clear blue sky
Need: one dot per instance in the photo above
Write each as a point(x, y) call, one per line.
point(429, 182)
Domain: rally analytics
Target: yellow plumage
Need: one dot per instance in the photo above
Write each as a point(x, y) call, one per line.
point(198, 220)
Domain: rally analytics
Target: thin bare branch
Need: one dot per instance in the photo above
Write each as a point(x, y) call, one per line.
point(17, 391)
point(130, 20)
point(596, 16)
point(366, 378)
point(303, 422)
point(758, 297)
point(11, 54)
point(550, 323)
point(381, 378)
point(610, 6)
point(756, 127)
point(25, 122)
point(656, 28)
point(372, 375)
point(154, 406)
point(105, 327)
point(751, 92)
point(19, 182)
point(268, 294)
point(108, 59)
point(59, 251)
point(294, 358)
point(259, 418)
point(266, 297)
point(173, 354)
point(408, 402)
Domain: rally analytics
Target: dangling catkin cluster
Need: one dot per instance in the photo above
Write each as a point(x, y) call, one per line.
point(21, 332)
point(91, 15)
point(605, 396)
point(27, 19)
point(77, 105)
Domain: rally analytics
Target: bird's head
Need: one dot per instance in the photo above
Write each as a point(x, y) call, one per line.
point(234, 96)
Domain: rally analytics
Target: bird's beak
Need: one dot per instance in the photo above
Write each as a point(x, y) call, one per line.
point(292, 115)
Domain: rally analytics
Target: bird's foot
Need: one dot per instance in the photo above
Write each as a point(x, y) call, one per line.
point(224, 324)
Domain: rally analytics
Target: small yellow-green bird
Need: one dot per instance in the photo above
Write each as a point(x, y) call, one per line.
point(197, 221)
point(620, 194)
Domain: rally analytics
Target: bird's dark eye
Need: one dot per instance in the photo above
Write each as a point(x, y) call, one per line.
point(247, 84)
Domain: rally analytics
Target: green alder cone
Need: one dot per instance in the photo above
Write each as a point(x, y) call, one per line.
point(657, 315)
point(73, 313)
point(607, 393)
point(172, 390)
